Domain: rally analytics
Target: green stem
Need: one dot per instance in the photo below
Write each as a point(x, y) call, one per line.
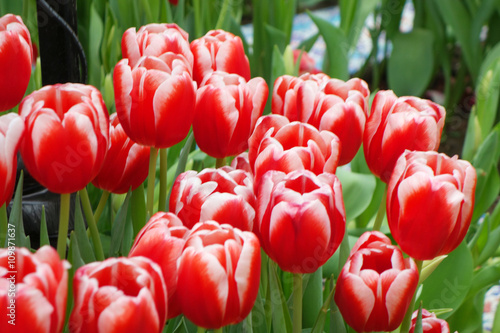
point(162, 200)
point(297, 303)
point(151, 181)
point(91, 222)
point(198, 19)
point(218, 330)
point(63, 225)
point(381, 212)
point(3, 224)
point(101, 205)
point(220, 162)
point(223, 15)
point(201, 330)
point(406, 324)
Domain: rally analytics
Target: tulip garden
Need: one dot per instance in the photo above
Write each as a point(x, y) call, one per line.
point(208, 181)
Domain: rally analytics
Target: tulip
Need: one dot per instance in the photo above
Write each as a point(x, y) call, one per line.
point(294, 146)
point(11, 132)
point(66, 137)
point(396, 124)
point(301, 218)
point(218, 275)
point(155, 99)
point(162, 240)
point(15, 60)
point(33, 290)
point(430, 323)
point(224, 194)
point(430, 199)
point(126, 164)
point(307, 63)
point(119, 295)
point(327, 104)
point(227, 108)
point(220, 51)
point(376, 286)
point(156, 40)
point(241, 162)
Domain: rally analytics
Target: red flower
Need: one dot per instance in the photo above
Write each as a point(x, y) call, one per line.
point(66, 138)
point(301, 218)
point(224, 194)
point(15, 60)
point(376, 285)
point(218, 275)
point(327, 104)
point(241, 162)
point(11, 132)
point(307, 63)
point(155, 99)
point(126, 164)
point(291, 146)
point(119, 295)
point(430, 200)
point(430, 323)
point(33, 290)
point(219, 51)
point(155, 40)
point(396, 124)
point(227, 108)
point(162, 240)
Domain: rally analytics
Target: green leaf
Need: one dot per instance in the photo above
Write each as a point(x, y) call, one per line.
point(489, 193)
point(418, 323)
point(458, 19)
point(44, 234)
point(118, 228)
point(281, 316)
point(81, 234)
point(96, 29)
point(182, 161)
point(357, 191)
point(312, 299)
point(337, 48)
point(16, 218)
point(411, 64)
point(491, 245)
point(308, 43)
point(138, 214)
point(449, 284)
point(487, 96)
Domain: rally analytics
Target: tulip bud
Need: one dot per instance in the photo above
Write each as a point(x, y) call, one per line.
point(11, 133)
point(396, 124)
point(327, 104)
point(292, 146)
point(224, 194)
point(430, 199)
point(219, 51)
point(155, 99)
point(66, 138)
point(126, 164)
point(301, 218)
point(162, 240)
point(15, 60)
point(218, 275)
point(155, 40)
point(119, 295)
point(227, 108)
point(33, 290)
point(430, 323)
point(376, 285)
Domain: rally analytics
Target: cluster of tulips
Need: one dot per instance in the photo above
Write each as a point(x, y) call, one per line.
point(202, 258)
